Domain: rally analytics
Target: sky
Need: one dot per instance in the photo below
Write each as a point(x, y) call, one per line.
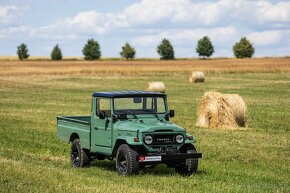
point(144, 23)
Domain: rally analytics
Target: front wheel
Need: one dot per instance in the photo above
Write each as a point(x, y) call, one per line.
point(126, 161)
point(79, 156)
point(191, 164)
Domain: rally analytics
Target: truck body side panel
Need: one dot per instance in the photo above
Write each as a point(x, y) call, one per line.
point(80, 125)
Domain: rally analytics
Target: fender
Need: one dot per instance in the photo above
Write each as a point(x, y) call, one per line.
point(129, 140)
point(193, 140)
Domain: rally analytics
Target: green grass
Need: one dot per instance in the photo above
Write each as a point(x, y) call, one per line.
point(255, 159)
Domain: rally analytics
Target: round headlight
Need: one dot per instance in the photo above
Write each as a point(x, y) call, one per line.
point(148, 139)
point(179, 138)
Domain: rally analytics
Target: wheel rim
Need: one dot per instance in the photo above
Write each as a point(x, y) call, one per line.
point(122, 165)
point(75, 157)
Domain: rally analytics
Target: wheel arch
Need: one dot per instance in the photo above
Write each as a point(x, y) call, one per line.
point(117, 145)
point(73, 136)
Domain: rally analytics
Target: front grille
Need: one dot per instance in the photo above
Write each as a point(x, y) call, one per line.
point(163, 139)
point(170, 149)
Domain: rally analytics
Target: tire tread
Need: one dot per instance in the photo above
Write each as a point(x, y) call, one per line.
point(132, 163)
point(84, 154)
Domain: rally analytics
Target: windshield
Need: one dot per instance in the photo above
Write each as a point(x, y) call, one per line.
point(139, 105)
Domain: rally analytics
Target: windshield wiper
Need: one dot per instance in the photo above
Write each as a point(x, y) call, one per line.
point(155, 115)
point(150, 112)
point(130, 112)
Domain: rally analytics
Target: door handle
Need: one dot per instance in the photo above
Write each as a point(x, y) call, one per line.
point(96, 128)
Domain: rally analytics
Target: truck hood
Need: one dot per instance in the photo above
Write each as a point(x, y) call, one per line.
point(147, 125)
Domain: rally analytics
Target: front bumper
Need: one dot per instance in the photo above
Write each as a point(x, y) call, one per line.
point(181, 156)
point(168, 157)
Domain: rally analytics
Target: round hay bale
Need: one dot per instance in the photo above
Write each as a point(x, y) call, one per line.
point(156, 87)
point(238, 107)
point(218, 110)
point(196, 76)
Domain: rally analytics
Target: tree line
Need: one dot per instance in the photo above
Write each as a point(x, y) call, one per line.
point(92, 51)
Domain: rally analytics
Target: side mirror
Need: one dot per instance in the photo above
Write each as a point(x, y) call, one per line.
point(171, 113)
point(102, 114)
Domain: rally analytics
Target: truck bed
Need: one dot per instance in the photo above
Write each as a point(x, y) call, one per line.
point(74, 125)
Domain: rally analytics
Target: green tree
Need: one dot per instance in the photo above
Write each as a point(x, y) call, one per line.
point(204, 47)
point(243, 49)
point(128, 51)
point(91, 50)
point(165, 50)
point(56, 53)
point(22, 52)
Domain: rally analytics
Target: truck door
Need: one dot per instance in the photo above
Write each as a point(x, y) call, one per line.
point(102, 128)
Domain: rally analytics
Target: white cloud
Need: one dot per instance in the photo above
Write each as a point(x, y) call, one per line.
point(265, 38)
point(268, 12)
point(8, 13)
point(86, 21)
point(183, 14)
point(151, 11)
point(172, 11)
point(15, 31)
point(89, 22)
point(146, 22)
point(219, 35)
point(206, 13)
point(29, 32)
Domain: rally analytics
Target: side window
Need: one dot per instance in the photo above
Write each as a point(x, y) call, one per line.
point(103, 104)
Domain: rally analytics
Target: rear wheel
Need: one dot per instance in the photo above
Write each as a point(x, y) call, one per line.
point(191, 164)
point(79, 156)
point(126, 161)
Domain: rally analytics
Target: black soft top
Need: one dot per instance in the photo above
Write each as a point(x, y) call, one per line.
point(131, 93)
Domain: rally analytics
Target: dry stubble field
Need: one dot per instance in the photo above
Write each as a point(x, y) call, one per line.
point(252, 159)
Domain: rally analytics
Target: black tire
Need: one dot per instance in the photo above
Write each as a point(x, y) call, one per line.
point(190, 165)
point(126, 161)
point(79, 156)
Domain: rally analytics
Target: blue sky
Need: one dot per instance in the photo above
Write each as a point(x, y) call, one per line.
point(143, 23)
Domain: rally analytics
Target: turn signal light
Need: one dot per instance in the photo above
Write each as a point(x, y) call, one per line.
point(141, 158)
point(190, 137)
point(136, 139)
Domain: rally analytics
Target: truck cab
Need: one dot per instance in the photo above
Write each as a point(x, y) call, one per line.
point(131, 127)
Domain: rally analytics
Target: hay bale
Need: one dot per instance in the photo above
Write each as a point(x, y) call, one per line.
point(218, 110)
point(196, 76)
point(156, 87)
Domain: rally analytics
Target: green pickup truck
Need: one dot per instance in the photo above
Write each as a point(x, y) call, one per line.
point(134, 128)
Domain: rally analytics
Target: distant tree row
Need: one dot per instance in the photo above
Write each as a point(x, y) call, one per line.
point(92, 51)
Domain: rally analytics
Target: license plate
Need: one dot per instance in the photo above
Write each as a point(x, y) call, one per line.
point(151, 159)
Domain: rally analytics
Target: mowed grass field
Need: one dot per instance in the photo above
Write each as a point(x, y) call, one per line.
point(251, 159)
